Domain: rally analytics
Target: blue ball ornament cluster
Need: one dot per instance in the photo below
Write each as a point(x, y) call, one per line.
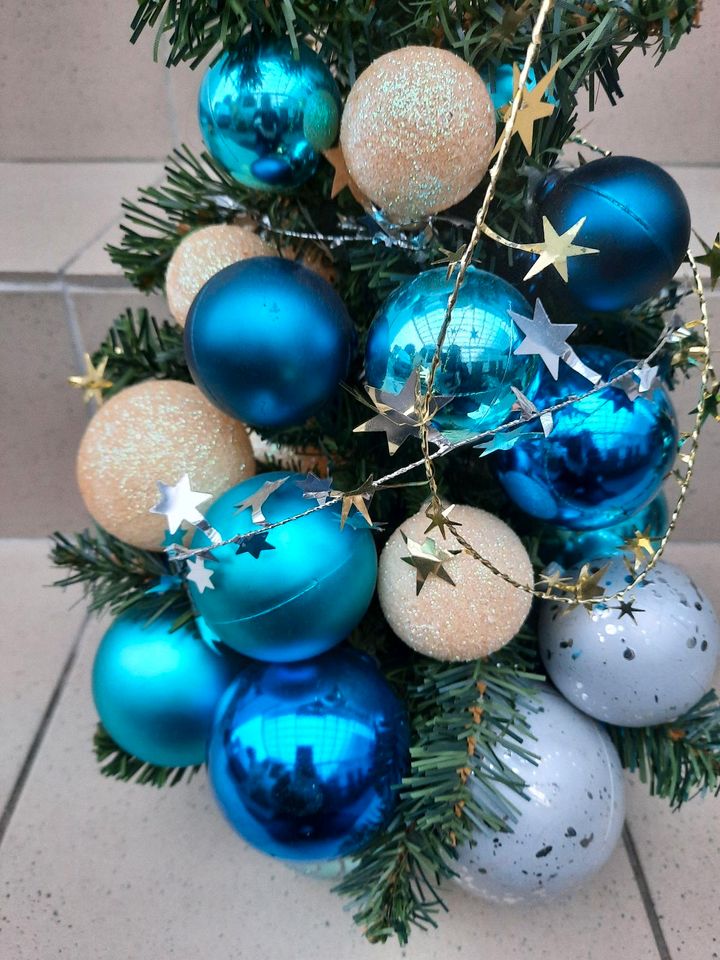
point(304, 757)
point(156, 689)
point(636, 217)
point(606, 456)
point(268, 341)
point(478, 365)
point(304, 591)
point(267, 113)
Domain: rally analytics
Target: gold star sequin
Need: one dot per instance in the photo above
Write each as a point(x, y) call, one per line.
point(428, 559)
point(358, 498)
point(556, 249)
point(711, 260)
point(532, 107)
point(587, 586)
point(440, 519)
point(342, 177)
point(93, 381)
point(639, 545)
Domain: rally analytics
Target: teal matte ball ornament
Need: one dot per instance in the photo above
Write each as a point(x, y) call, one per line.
point(266, 114)
point(156, 690)
point(306, 588)
point(478, 365)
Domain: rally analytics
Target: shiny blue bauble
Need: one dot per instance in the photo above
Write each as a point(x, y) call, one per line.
point(478, 365)
point(156, 691)
point(298, 599)
point(636, 216)
point(606, 456)
point(570, 548)
point(266, 115)
point(304, 757)
point(268, 341)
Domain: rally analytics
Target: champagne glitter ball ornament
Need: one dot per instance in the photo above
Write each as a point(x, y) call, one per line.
point(636, 217)
point(637, 661)
point(200, 255)
point(606, 456)
point(156, 430)
point(478, 367)
point(268, 341)
point(156, 689)
point(417, 131)
point(570, 823)
point(267, 112)
point(304, 757)
point(291, 593)
point(476, 616)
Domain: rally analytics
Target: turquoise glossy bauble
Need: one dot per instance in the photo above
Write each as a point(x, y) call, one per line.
point(267, 114)
point(478, 365)
point(297, 599)
point(156, 690)
point(305, 757)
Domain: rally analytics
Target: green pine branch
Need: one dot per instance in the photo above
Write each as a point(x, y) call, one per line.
point(116, 576)
point(137, 347)
point(121, 765)
point(463, 716)
point(678, 760)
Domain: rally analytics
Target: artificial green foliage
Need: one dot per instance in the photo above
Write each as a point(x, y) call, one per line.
point(116, 576)
point(677, 760)
point(120, 765)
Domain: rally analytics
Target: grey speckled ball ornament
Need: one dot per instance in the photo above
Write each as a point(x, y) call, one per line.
point(638, 662)
point(571, 821)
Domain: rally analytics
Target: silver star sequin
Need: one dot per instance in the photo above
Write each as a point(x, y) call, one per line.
point(548, 340)
point(398, 416)
point(179, 502)
point(256, 502)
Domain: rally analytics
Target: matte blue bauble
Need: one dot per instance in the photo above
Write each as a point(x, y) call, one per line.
point(575, 547)
point(478, 365)
point(301, 597)
point(304, 756)
point(268, 341)
point(606, 457)
point(156, 691)
point(636, 216)
point(267, 116)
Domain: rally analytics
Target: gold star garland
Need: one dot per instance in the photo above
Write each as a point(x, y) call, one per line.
point(93, 381)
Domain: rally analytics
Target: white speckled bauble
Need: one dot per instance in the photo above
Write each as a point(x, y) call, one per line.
point(156, 430)
point(572, 818)
point(202, 254)
point(417, 132)
point(477, 616)
point(639, 662)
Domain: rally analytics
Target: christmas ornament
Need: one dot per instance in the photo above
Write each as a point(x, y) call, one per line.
point(637, 218)
point(156, 689)
point(606, 456)
point(568, 548)
point(200, 255)
point(267, 112)
point(304, 756)
point(302, 596)
point(269, 341)
point(156, 429)
point(417, 131)
point(445, 604)
point(479, 367)
point(570, 822)
point(637, 661)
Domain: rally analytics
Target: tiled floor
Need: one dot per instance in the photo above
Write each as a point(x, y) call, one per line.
point(93, 870)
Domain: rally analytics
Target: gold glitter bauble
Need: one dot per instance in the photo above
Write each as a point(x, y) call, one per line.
point(156, 430)
point(200, 255)
point(417, 132)
point(477, 616)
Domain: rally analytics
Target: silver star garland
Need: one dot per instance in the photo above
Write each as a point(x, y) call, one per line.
point(178, 503)
point(398, 415)
point(548, 340)
point(256, 502)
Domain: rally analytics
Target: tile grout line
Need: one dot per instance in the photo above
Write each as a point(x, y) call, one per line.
point(38, 739)
point(645, 895)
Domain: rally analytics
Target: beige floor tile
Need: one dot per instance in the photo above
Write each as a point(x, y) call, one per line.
point(669, 114)
point(40, 626)
point(96, 309)
point(42, 418)
point(52, 211)
point(97, 870)
point(73, 87)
